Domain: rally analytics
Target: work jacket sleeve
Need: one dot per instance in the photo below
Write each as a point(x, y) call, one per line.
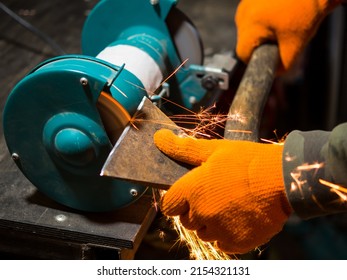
point(315, 171)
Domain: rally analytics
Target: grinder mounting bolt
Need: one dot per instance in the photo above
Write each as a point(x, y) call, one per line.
point(84, 81)
point(134, 192)
point(15, 156)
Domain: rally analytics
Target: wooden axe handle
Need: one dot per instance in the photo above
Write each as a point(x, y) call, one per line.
point(247, 107)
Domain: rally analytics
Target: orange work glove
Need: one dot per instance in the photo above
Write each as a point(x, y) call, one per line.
point(235, 196)
point(290, 23)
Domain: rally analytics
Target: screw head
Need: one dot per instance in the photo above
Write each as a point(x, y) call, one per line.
point(84, 81)
point(15, 156)
point(60, 218)
point(154, 2)
point(134, 192)
point(192, 100)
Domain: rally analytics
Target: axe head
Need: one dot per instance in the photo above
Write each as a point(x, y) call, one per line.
point(136, 158)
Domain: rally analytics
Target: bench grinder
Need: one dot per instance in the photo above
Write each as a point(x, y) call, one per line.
point(63, 118)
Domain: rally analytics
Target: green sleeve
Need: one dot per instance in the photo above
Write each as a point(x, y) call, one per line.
point(315, 171)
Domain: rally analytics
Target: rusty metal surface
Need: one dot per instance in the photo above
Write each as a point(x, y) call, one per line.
point(135, 157)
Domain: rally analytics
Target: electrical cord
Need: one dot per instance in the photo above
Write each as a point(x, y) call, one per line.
point(33, 29)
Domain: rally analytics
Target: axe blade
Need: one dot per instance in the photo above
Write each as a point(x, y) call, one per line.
point(136, 158)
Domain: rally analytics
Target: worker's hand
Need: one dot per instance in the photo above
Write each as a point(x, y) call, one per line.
point(236, 194)
point(290, 23)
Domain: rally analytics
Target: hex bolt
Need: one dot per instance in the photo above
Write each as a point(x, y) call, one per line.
point(133, 192)
point(84, 81)
point(15, 156)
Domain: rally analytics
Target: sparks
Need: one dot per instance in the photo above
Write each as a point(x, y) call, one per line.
point(237, 117)
point(204, 124)
point(278, 141)
point(155, 195)
point(307, 167)
point(282, 139)
point(342, 195)
point(240, 131)
point(162, 235)
point(339, 190)
point(121, 92)
point(139, 87)
point(314, 198)
point(333, 186)
point(174, 72)
point(198, 249)
point(297, 174)
point(298, 183)
point(272, 142)
point(289, 158)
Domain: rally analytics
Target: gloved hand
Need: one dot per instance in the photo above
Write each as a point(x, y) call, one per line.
point(236, 194)
point(290, 23)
